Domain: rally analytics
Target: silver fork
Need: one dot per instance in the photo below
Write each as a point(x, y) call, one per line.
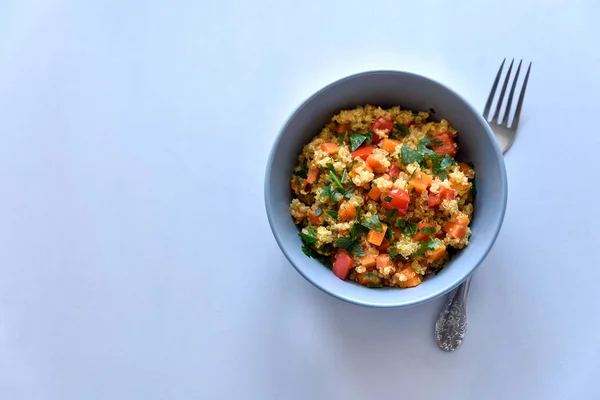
point(451, 325)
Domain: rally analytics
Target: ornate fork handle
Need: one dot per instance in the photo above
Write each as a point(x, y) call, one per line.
point(451, 325)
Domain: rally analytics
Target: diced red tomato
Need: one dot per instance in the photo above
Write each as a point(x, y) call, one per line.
point(435, 199)
point(342, 264)
point(381, 124)
point(447, 147)
point(394, 171)
point(398, 199)
point(363, 152)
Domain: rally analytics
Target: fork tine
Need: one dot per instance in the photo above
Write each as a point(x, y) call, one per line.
point(488, 105)
point(501, 98)
point(521, 96)
point(510, 95)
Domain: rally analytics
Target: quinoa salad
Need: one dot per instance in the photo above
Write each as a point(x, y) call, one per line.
point(379, 197)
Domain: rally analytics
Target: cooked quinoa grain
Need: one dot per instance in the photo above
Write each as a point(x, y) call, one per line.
point(380, 198)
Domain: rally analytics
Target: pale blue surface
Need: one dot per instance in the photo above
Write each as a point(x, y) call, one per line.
point(115, 227)
point(386, 89)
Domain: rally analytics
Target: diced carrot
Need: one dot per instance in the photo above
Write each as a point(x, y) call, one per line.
point(342, 264)
point(329, 148)
point(313, 174)
point(423, 235)
point(298, 184)
point(435, 254)
point(420, 182)
point(390, 145)
point(394, 171)
point(375, 164)
point(368, 279)
point(374, 193)
point(383, 260)
point(463, 219)
point(408, 277)
point(455, 230)
point(384, 247)
point(340, 128)
point(363, 152)
point(313, 217)
point(363, 165)
point(347, 211)
point(465, 168)
point(367, 261)
point(375, 237)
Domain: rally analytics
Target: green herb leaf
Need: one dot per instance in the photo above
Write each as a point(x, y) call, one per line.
point(310, 237)
point(428, 230)
point(393, 253)
point(355, 231)
point(326, 192)
point(439, 164)
point(344, 242)
point(402, 129)
point(408, 228)
point(408, 156)
point(349, 192)
point(357, 139)
point(356, 249)
point(389, 234)
point(374, 285)
point(342, 136)
point(373, 223)
point(303, 171)
point(307, 251)
point(336, 180)
point(344, 178)
point(387, 199)
point(370, 275)
point(391, 214)
point(428, 245)
point(318, 211)
point(333, 214)
point(473, 189)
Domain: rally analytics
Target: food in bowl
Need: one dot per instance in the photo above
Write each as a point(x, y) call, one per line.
point(380, 198)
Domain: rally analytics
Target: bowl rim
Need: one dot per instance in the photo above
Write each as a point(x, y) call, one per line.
point(434, 294)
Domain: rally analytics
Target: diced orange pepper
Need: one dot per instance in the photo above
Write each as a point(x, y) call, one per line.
point(368, 279)
point(329, 148)
point(353, 173)
point(340, 128)
point(383, 260)
point(436, 254)
point(298, 184)
point(465, 168)
point(375, 164)
point(463, 219)
point(390, 145)
point(420, 182)
point(455, 230)
point(412, 278)
point(375, 237)
point(367, 261)
point(374, 193)
point(347, 211)
point(313, 217)
point(313, 174)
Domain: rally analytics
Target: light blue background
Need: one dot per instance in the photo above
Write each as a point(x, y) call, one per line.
point(130, 270)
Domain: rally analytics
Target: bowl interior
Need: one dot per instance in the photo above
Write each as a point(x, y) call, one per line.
point(388, 88)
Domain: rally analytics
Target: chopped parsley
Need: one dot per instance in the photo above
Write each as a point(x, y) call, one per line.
point(389, 234)
point(473, 189)
point(310, 237)
point(303, 171)
point(342, 136)
point(428, 230)
point(409, 156)
point(391, 214)
point(393, 253)
point(357, 250)
point(333, 214)
point(387, 199)
point(408, 228)
point(357, 139)
point(428, 245)
point(374, 285)
point(402, 129)
point(370, 275)
point(351, 243)
point(318, 211)
point(373, 223)
point(439, 164)
point(333, 194)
